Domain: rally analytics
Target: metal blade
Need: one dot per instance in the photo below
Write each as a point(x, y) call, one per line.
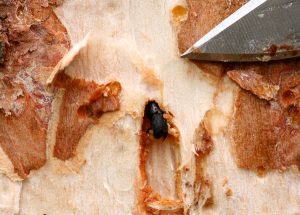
point(261, 30)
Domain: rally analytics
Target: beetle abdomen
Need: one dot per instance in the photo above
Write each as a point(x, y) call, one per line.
point(159, 126)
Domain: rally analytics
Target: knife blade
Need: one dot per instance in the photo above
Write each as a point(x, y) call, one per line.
point(261, 30)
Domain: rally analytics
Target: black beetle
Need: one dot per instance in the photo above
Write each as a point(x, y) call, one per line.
point(158, 123)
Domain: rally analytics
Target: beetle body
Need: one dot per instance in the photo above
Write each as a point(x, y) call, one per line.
point(158, 122)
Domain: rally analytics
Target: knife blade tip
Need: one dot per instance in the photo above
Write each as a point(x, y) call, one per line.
point(187, 53)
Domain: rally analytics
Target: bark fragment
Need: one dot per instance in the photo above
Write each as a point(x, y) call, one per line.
point(24, 145)
point(261, 79)
point(35, 41)
point(249, 80)
point(83, 103)
point(265, 134)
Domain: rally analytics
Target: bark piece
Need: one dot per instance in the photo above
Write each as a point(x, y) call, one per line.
point(265, 135)
point(262, 79)
point(35, 42)
point(83, 103)
point(24, 145)
point(252, 81)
